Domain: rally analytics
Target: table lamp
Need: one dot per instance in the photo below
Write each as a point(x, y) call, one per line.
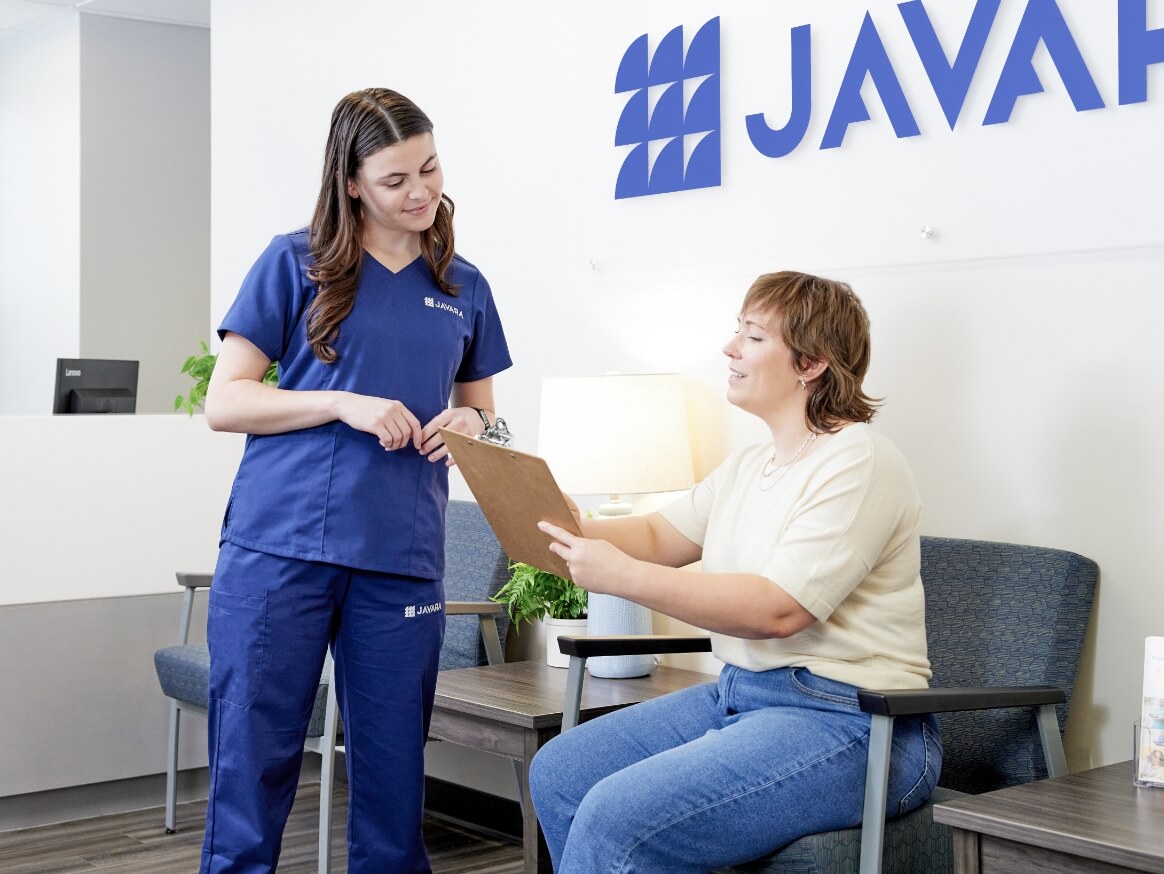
point(615, 435)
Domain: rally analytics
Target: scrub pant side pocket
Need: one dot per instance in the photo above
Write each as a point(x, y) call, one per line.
point(236, 631)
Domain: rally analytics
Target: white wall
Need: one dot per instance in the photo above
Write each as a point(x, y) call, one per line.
point(40, 175)
point(1015, 347)
point(104, 202)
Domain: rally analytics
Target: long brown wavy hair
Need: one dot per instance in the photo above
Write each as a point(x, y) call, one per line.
point(362, 123)
point(821, 320)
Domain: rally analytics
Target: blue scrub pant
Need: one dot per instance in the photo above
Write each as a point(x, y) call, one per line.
point(270, 622)
point(719, 774)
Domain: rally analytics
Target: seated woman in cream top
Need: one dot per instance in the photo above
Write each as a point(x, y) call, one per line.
point(810, 586)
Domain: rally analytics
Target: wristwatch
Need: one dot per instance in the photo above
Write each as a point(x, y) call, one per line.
point(484, 416)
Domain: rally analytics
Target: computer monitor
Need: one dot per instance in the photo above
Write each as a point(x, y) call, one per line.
point(95, 385)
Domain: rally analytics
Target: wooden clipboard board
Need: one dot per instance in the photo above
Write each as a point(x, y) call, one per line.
point(515, 491)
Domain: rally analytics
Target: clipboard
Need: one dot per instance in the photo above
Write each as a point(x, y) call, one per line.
point(515, 491)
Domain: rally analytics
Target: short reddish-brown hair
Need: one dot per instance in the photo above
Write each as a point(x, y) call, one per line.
point(820, 320)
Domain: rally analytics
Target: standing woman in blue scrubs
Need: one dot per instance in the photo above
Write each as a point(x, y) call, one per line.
point(334, 532)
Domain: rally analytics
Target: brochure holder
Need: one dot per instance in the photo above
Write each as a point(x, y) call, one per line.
point(1148, 745)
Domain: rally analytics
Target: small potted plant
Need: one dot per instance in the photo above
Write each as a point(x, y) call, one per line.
point(534, 595)
point(199, 368)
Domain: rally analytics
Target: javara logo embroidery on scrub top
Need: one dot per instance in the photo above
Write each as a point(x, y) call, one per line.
point(441, 305)
point(412, 611)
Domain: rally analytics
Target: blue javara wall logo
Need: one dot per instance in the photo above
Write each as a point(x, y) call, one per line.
point(678, 127)
point(682, 127)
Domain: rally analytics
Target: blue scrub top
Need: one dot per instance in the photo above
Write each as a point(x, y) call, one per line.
point(332, 493)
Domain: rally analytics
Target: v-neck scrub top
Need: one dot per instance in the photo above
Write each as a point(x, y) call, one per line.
point(331, 493)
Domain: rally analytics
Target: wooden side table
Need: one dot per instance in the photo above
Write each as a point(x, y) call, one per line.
point(513, 709)
point(1093, 821)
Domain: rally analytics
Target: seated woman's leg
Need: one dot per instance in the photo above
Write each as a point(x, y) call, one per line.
point(788, 759)
point(566, 768)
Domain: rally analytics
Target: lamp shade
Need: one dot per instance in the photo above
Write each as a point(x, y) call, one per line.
point(620, 434)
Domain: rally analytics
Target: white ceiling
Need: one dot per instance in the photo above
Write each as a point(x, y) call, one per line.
point(16, 15)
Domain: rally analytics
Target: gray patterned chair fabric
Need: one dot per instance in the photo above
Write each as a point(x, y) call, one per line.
point(475, 569)
point(1005, 627)
point(183, 671)
point(997, 614)
point(475, 634)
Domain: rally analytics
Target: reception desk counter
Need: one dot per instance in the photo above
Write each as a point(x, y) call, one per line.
point(96, 515)
point(101, 506)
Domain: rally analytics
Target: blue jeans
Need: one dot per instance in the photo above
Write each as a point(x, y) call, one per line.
point(719, 774)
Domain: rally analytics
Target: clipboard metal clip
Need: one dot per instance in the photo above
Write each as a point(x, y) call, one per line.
point(497, 433)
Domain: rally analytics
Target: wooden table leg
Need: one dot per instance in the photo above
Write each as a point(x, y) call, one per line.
point(535, 853)
point(966, 856)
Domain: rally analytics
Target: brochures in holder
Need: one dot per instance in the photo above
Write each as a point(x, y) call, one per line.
point(1150, 733)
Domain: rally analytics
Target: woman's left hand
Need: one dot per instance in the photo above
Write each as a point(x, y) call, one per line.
point(595, 565)
point(461, 419)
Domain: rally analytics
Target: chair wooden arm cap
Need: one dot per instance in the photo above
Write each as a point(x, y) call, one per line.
point(590, 646)
point(913, 702)
point(476, 608)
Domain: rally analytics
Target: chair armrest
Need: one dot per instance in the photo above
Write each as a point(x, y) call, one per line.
point(884, 705)
point(473, 608)
point(914, 702)
point(590, 646)
point(584, 647)
point(189, 582)
point(486, 613)
point(194, 581)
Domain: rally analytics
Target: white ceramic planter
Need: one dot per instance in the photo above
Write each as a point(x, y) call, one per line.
point(555, 658)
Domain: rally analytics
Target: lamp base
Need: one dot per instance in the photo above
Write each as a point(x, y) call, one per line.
point(608, 614)
point(616, 506)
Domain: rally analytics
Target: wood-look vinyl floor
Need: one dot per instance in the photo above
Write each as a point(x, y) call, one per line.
point(136, 843)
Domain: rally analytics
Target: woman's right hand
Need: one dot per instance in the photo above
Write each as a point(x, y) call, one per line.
point(387, 420)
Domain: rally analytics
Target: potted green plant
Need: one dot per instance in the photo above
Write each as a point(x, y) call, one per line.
point(199, 368)
point(532, 594)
